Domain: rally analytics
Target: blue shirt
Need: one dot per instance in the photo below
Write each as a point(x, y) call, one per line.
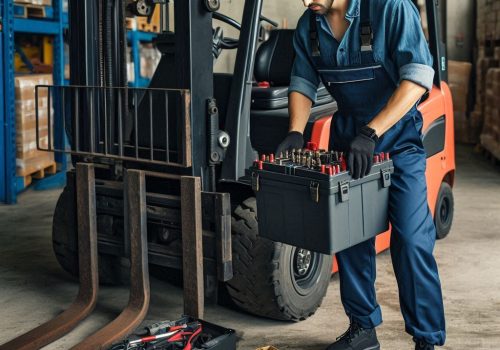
point(399, 45)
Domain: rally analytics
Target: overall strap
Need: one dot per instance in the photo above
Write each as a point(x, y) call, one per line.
point(313, 35)
point(366, 32)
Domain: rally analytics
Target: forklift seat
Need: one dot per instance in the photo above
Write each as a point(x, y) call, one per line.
point(269, 118)
point(272, 69)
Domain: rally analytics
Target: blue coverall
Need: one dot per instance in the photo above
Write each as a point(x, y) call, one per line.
point(362, 79)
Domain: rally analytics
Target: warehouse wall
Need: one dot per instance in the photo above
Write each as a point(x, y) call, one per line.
point(460, 29)
point(285, 12)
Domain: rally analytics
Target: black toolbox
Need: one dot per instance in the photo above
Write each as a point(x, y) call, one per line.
point(211, 337)
point(301, 204)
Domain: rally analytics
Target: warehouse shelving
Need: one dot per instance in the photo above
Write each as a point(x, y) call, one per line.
point(9, 184)
point(135, 37)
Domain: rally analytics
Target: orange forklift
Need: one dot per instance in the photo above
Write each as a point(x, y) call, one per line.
point(155, 164)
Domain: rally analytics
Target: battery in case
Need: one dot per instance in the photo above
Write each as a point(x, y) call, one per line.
point(318, 206)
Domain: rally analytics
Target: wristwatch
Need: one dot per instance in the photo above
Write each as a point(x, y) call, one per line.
point(369, 132)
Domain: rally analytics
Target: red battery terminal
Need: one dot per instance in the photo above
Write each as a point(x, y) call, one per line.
point(337, 168)
point(313, 146)
point(261, 165)
point(323, 168)
point(271, 158)
point(387, 157)
point(382, 156)
point(263, 158)
point(376, 159)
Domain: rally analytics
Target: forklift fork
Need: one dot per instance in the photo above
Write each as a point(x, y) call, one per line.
point(88, 271)
point(134, 313)
point(136, 310)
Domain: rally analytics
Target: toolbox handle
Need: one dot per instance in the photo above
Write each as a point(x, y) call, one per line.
point(314, 190)
point(386, 177)
point(255, 182)
point(344, 191)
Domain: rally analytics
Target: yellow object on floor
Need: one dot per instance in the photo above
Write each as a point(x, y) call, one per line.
point(267, 348)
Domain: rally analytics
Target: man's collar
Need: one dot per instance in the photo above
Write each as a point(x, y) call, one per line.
point(353, 9)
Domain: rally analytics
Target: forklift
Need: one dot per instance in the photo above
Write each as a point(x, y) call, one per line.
point(191, 121)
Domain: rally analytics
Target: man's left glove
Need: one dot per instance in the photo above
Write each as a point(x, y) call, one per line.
point(360, 159)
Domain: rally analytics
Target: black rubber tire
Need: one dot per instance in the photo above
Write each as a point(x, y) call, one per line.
point(443, 214)
point(65, 243)
point(263, 282)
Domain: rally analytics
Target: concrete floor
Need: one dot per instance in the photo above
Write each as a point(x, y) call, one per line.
point(33, 288)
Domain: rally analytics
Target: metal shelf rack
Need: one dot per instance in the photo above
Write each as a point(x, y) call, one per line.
point(135, 37)
point(9, 184)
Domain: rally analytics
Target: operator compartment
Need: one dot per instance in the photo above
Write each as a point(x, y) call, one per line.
point(269, 118)
point(306, 198)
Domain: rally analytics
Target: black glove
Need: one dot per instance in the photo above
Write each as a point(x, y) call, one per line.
point(360, 158)
point(294, 139)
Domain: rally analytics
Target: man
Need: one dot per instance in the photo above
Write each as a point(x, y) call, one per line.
point(373, 58)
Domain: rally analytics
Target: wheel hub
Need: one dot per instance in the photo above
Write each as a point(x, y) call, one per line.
point(303, 262)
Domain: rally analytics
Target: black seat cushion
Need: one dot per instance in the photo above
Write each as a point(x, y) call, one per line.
point(273, 64)
point(274, 58)
point(276, 97)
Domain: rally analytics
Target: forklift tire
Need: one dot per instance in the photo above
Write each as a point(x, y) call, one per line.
point(65, 243)
point(271, 279)
point(443, 215)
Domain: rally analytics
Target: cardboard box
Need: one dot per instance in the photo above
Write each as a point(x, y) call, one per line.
point(25, 85)
point(28, 158)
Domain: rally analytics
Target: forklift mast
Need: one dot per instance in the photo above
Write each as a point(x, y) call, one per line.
point(98, 59)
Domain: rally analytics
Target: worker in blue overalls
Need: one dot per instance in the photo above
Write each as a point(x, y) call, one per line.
point(373, 58)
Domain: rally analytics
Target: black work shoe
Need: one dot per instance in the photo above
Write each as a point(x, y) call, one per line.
point(422, 345)
point(356, 338)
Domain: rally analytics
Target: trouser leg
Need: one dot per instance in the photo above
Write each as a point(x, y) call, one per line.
point(412, 243)
point(357, 273)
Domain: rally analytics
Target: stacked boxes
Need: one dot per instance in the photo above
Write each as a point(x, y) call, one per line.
point(486, 111)
point(28, 158)
point(490, 137)
point(488, 24)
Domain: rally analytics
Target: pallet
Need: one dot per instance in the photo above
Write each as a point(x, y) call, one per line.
point(490, 149)
point(141, 23)
point(27, 178)
point(33, 11)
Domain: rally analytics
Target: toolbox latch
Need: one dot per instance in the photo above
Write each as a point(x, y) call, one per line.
point(344, 191)
point(314, 190)
point(255, 182)
point(386, 178)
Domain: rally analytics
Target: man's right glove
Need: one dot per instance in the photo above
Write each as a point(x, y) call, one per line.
point(294, 139)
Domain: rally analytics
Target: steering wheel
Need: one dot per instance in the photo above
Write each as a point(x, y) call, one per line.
point(222, 42)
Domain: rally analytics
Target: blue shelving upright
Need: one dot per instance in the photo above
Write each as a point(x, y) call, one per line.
point(10, 26)
point(135, 37)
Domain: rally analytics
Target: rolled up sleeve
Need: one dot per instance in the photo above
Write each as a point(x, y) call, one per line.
point(409, 48)
point(304, 77)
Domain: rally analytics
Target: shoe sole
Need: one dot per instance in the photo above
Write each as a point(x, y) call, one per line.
point(376, 347)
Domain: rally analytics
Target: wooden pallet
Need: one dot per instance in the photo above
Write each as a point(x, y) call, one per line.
point(143, 25)
point(48, 169)
point(32, 11)
point(490, 149)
